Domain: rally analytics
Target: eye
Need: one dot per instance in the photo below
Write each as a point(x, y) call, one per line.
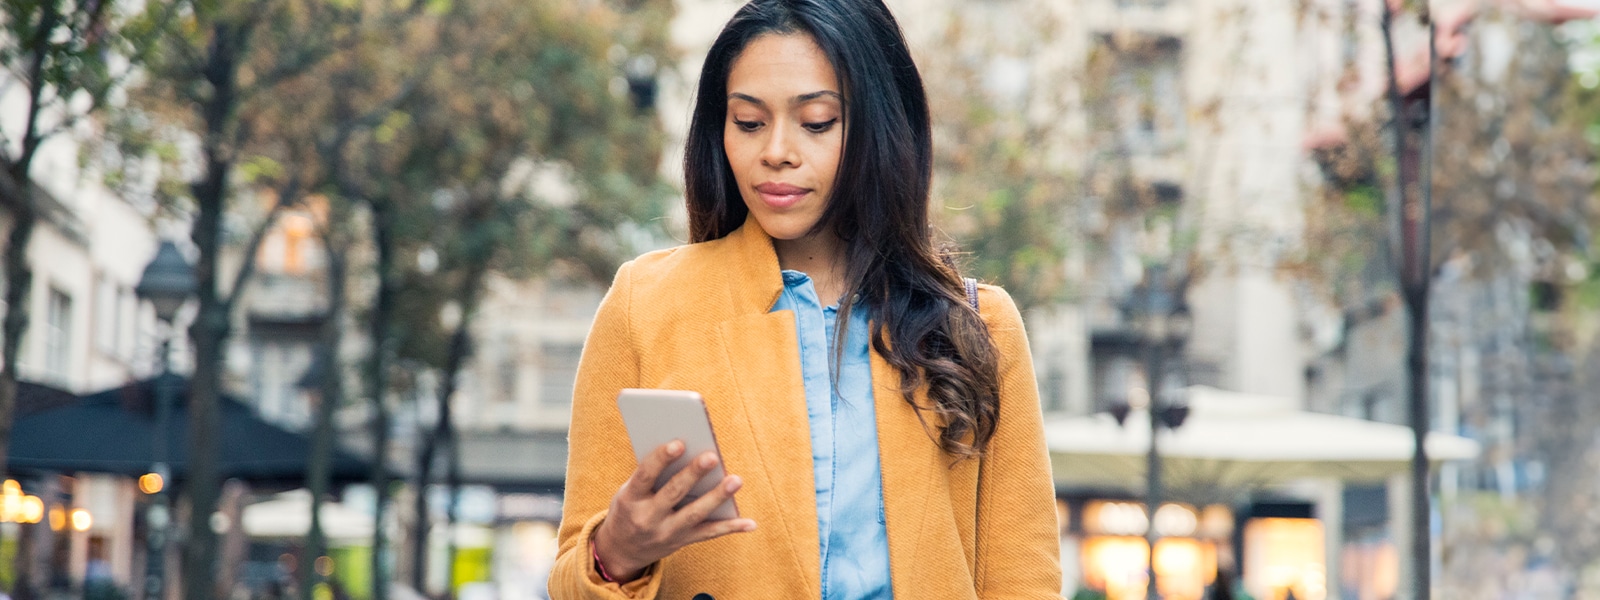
point(747, 126)
point(822, 127)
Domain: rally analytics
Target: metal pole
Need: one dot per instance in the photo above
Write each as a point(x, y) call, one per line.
point(1418, 279)
point(160, 513)
point(1153, 369)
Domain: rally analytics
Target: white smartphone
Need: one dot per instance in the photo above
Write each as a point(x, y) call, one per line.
point(655, 417)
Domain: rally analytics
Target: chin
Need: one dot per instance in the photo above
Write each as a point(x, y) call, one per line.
point(785, 231)
point(785, 227)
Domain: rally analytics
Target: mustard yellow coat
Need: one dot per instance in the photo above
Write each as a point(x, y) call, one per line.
point(695, 318)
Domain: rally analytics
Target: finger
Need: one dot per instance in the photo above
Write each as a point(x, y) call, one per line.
point(643, 483)
point(693, 513)
point(715, 529)
point(680, 484)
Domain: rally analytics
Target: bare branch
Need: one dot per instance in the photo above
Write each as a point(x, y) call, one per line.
point(288, 195)
point(40, 47)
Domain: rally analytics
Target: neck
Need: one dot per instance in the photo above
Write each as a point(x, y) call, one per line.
point(821, 257)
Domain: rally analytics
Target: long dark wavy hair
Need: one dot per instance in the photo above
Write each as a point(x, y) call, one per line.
point(922, 323)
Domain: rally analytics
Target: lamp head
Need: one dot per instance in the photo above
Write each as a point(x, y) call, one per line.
point(168, 281)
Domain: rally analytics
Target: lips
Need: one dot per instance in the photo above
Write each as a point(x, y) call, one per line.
point(781, 195)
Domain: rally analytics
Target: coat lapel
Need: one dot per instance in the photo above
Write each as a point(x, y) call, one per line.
point(762, 351)
point(911, 468)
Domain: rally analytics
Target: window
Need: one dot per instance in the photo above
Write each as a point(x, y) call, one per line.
point(127, 324)
point(291, 247)
point(1053, 388)
point(558, 369)
point(58, 336)
point(108, 318)
point(1144, 100)
point(509, 371)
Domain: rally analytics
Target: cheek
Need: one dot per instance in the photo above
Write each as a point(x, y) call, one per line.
point(738, 151)
point(826, 161)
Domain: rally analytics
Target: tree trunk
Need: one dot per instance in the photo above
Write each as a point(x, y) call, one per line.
point(331, 386)
point(453, 483)
point(19, 285)
point(424, 522)
point(1410, 111)
point(377, 379)
point(444, 431)
point(17, 191)
point(210, 330)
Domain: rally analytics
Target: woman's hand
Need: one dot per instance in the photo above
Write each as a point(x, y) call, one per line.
point(642, 527)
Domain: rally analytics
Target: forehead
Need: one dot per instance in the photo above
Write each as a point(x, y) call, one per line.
point(780, 67)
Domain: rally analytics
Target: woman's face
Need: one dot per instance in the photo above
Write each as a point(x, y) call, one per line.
point(784, 132)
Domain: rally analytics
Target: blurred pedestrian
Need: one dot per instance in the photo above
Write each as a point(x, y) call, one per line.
point(813, 310)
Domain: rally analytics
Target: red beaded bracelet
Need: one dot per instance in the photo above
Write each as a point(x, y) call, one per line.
point(599, 566)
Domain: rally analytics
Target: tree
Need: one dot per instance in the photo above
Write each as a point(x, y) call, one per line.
point(1510, 178)
point(210, 66)
point(59, 51)
point(494, 220)
point(62, 53)
point(999, 190)
point(431, 126)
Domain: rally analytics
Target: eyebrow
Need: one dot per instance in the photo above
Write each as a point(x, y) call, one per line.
point(801, 99)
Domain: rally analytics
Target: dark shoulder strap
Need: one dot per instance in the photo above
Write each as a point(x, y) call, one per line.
point(978, 550)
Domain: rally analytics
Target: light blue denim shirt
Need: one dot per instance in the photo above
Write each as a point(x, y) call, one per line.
point(844, 446)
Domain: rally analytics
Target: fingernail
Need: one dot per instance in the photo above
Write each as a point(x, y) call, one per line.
point(708, 461)
point(675, 448)
point(750, 526)
point(734, 483)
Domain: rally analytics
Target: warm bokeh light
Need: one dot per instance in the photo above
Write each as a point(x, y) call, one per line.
point(151, 483)
point(1117, 565)
point(10, 500)
point(324, 566)
point(82, 520)
point(32, 510)
point(1184, 566)
point(1176, 520)
point(1283, 555)
point(58, 518)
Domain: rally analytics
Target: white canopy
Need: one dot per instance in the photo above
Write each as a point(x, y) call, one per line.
point(289, 515)
point(1232, 439)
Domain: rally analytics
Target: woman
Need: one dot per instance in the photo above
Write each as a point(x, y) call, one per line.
point(877, 417)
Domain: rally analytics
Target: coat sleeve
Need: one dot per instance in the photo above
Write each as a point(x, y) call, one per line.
point(1018, 540)
point(599, 455)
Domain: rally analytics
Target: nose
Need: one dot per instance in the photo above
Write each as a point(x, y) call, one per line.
point(779, 150)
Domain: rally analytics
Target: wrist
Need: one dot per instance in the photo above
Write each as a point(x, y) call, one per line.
point(611, 565)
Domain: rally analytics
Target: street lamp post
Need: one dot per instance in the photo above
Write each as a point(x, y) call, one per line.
point(168, 281)
point(1161, 320)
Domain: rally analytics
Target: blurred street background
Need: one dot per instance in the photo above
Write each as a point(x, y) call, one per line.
point(295, 290)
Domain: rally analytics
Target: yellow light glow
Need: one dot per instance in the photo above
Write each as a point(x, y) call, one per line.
point(58, 518)
point(10, 501)
point(82, 520)
point(1183, 567)
point(151, 483)
point(1116, 564)
point(32, 510)
point(1283, 555)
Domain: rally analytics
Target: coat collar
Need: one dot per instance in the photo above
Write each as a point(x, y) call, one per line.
point(756, 279)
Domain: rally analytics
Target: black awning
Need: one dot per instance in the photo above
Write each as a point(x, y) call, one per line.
point(115, 431)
